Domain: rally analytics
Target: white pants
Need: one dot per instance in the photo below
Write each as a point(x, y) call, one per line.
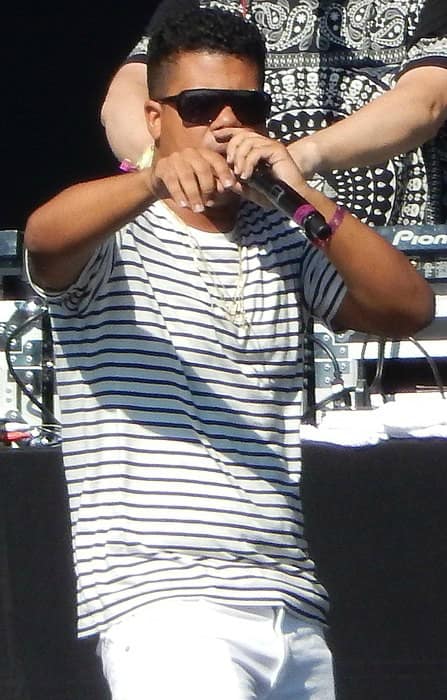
point(197, 650)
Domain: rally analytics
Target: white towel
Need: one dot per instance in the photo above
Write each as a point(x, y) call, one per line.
point(353, 428)
point(412, 416)
point(415, 416)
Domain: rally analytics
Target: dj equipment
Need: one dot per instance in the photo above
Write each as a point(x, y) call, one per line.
point(27, 383)
point(369, 365)
point(362, 365)
point(426, 247)
point(26, 363)
point(11, 244)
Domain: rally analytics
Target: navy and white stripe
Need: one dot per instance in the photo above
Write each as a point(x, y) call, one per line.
point(181, 430)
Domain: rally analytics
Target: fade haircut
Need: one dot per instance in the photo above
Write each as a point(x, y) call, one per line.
point(202, 30)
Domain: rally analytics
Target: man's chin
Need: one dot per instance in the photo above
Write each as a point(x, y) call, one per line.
point(225, 199)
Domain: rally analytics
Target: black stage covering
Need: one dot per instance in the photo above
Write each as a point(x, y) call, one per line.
point(40, 657)
point(377, 525)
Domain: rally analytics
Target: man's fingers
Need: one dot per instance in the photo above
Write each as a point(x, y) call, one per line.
point(222, 172)
point(238, 148)
point(194, 177)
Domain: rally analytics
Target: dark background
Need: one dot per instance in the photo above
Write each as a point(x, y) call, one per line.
point(57, 61)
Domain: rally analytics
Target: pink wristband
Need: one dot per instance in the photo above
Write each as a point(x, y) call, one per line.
point(336, 220)
point(334, 223)
point(126, 166)
point(303, 211)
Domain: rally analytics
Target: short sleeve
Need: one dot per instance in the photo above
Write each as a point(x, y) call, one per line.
point(323, 289)
point(427, 39)
point(432, 22)
point(79, 295)
point(426, 52)
point(139, 51)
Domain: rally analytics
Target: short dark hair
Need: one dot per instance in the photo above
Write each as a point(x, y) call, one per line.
point(207, 30)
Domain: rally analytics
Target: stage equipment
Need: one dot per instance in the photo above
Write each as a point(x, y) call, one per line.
point(27, 381)
point(358, 369)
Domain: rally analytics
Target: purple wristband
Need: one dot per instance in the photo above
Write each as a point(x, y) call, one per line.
point(337, 218)
point(303, 211)
point(126, 166)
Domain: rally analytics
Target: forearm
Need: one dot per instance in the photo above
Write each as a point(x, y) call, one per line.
point(396, 122)
point(62, 234)
point(386, 296)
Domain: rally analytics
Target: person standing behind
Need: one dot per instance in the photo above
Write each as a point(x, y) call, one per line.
point(359, 92)
point(176, 306)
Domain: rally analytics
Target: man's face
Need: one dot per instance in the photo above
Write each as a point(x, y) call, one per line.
point(199, 70)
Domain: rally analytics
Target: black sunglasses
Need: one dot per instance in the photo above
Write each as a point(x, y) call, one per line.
point(203, 105)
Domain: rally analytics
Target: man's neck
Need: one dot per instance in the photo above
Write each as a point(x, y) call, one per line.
point(218, 219)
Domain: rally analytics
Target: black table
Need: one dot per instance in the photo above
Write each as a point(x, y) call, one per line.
point(45, 661)
point(377, 526)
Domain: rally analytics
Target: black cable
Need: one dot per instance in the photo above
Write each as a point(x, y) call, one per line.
point(47, 363)
point(342, 395)
point(376, 384)
point(362, 395)
point(432, 364)
point(338, 378)
point(309, 398)
point(48, 417)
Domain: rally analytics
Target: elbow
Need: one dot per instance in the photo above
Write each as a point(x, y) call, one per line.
point(35, 251)
point(34, 238)
point(425, 312)
point(433, 115)
point(105, 109)
point(435, 120)
point(31, 235)
point(422, 91)
point(33, 242)
point(418, 316)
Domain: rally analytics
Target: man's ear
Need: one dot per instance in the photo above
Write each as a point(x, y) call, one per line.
point(152, 110)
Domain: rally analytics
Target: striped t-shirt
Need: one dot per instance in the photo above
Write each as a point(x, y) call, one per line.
point(180, 427)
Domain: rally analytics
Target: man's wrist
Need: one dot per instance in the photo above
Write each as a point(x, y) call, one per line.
point(144, 161)
point(306, 155)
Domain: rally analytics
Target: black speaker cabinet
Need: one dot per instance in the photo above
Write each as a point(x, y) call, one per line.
point(42, 658)
point(377, 526)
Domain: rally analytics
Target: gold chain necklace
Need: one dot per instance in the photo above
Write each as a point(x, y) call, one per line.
point(231, 306)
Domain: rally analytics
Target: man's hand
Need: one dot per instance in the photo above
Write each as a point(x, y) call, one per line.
point(245, 149)
point(196, 178)
point(193, 178)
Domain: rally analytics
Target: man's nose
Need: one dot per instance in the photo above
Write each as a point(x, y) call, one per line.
point(225, 118)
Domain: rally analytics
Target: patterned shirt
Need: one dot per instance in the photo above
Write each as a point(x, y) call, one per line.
point(181, 420)
point(328, 58)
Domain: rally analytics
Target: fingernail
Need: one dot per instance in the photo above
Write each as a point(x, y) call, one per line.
point(198, 208)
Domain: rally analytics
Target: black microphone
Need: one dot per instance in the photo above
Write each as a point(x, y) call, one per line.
point(292, 204)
